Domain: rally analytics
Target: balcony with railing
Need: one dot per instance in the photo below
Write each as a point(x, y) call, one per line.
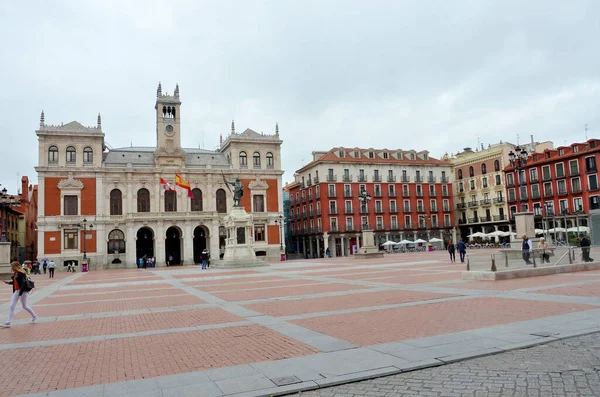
point(350, 228)
point(379, 210)
point(377, 178)
point(434, 225)
point(407, 225)
point(420, 208)
point(318, 213)
point(548, 193)
point(446, 208)
point(406, 209)
point(485, 219)
point(574, 172)
point(347, 178)
point(444, 179)
point(499, 200)
point(364, 211)
point(523, 197)
point(576, 190)
point(431, 179)
point(362, 178)
point(434, 208)
point(377, 193)
point(349, 211)
point(432, 193)
point(310, 197)
point(511, 199)
point(405, 193)
point(348, 193)
point(391, 178)
point(445, 193)
point(304, 199)
point(393, 210)
point(333, 211)
point(500, 218)
point(473, 203)
point(419, 193)
point(535, 195)
point(331, 178)
point(331, 194)
point(419, 178)
point(562, 192)
point(333, 228)
point(546, 177)
point(462, 221)
point(380, 226)
point(473, 220)
point(461, 206)
point(510, 183)
point(447, 224)
point(405, 178)
point(309, 182)
point(316, 180)
point(317, 196)
point(485, 202)
point(392, 194)
point(394, 226)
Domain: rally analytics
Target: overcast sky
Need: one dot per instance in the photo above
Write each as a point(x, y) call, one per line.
point(430, 75)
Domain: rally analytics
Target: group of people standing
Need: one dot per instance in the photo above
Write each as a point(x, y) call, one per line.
point(461, 247)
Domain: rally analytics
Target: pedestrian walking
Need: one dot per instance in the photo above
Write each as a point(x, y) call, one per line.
point(20, 293)
point(51, 266)
point(452, 251)
point(544, 249)
point(526, 249)
point(462, 250)
point(204, 257)
point(45, 266)
point(584, 243)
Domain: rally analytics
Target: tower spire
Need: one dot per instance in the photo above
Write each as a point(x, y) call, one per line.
point(159, 90)
point(177, 91)
point(42, 120)
point(276, 129)
point(99, 122)
point(221, 139)
point(232, 127)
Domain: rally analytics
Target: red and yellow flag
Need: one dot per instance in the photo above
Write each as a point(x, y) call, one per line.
point(182, 183)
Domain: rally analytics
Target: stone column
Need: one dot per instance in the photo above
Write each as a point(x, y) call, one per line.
point(214, 242)
point(511, 237)
point(414, 236)
point(159, 245)
point(188, 244)
point(130, 247)
point(496, 239)
point(326, 242)
point(343, 242)
point(470, 230)
point(318, 253)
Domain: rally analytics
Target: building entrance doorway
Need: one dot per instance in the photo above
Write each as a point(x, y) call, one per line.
point(173, 247)
point(200, 242)
point(144, 244)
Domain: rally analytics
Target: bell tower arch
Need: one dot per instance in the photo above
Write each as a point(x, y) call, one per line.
point(168, 129)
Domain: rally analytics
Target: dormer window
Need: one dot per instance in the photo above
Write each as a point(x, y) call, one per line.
point(561, 152)
point(575, 149)
point(371, 155)
point(341, 153)
point(385, 155)
point(412, 156)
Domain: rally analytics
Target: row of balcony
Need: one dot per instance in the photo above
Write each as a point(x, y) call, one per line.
point(365, 211)
point(484, 202)
point(378, 227)
point(483, 219)
point(376, 194)
point(378, 178)
point(549, 194)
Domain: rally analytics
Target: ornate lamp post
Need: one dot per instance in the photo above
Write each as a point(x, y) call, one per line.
point(518, 160)
point(426, 219)
point(280, 221)
point(364, 199)
point(7, 201)
point(84, 236)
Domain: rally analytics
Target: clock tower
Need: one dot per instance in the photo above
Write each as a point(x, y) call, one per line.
point(168, 129)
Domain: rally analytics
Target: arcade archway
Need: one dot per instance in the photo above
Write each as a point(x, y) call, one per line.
point(144, 243)
point(173, 246)
point(201, 241)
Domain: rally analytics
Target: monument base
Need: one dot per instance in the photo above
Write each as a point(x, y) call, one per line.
point(239, 248)
point(368, 249)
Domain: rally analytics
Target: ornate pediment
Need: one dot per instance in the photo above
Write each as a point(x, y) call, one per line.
point(258, 184)
point(70, 183)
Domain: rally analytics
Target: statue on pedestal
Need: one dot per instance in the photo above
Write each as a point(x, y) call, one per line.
point(238, 190)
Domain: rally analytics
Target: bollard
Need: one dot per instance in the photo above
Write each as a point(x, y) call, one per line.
point(468, 264)
point(534, 263)
point(493, 264)
point(505, 259)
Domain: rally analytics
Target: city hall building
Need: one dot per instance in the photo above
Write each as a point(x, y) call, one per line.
point(108, 205)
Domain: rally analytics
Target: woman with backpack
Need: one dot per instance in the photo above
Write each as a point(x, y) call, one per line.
point(20, 293)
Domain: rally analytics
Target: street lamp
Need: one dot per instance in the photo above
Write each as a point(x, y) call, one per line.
point(426, 219)
point(364, 199)
point(84, 236)
point(7, 201)
point(519, 161)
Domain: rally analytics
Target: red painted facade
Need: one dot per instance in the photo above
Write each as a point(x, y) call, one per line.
point(559, 182)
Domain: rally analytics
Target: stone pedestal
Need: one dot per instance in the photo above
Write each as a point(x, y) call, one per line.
point(368, 248)
point(239, 244)
point(525, 224)
point(5, 258)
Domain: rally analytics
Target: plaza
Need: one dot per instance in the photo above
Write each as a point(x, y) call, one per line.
point(284, 328)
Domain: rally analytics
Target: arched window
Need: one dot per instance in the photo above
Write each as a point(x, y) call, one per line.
point(197, 200)
point(256, 160)
point(116, 242)
point(221, 201)
point(496, 165)
point(170, 201)
point(88, 155)
point(53, 154)
point(483, 169)
point(143, 200)
point(243, 159)
point(459, 174)
point(471, 171)
point(270, 160)
point(71, 154)
point(116, 202)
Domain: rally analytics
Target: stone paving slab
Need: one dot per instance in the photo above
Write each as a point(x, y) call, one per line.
point(285, 338)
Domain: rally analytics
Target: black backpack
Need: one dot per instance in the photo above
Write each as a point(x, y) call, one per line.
point(29, 285)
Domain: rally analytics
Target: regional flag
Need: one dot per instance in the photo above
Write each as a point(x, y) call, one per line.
point(166, 185)
point(182, 183)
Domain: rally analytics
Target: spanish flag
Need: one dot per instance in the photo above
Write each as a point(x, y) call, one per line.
point(182, 183)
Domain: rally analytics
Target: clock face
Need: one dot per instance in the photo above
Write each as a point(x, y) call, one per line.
point(169, 128)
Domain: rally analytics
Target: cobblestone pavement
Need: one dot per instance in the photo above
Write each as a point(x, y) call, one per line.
point(566, 368)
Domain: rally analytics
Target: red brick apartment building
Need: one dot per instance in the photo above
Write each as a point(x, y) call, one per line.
point(560, 186)
point(411, 198)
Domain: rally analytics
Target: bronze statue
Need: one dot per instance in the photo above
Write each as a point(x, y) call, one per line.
point(238, 190)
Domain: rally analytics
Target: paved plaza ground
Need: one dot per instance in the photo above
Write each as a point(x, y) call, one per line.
point(282, 328)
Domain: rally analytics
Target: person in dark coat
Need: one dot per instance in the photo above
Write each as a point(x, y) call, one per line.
point(452, 251)
point(584, 243)
point(462, 250)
